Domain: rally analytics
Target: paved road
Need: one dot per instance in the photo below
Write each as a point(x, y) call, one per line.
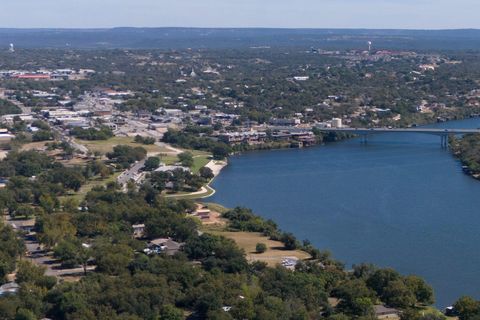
point(53, 267)
point(40, 257)
point(71, 141)
point(25, 110)
point(76, 145)
point(131, 173)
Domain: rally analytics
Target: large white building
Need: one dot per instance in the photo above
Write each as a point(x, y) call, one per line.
point(336, 123)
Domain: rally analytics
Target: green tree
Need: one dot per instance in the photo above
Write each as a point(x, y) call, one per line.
point(397, 294)
point(423, 292)
point(186, 158)
point(54, 228)
point(151, 163)
point(113, 259)
point(261, 247)
point(169, 312)
point(25, 314)
point(467, 308)
point(221, 152)
point(206, 173)
point(29, 273)
point(289, 241)
point(67, 252)
point(47, 203)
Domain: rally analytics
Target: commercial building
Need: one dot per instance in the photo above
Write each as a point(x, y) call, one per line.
point(337, 123)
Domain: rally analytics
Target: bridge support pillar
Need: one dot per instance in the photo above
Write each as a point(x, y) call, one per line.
point(444, 141)
point(365, 138)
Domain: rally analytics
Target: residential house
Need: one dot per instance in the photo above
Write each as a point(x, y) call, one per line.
point(163, 245)
point(138, 230)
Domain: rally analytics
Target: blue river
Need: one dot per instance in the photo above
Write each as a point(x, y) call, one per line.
point(399, 201)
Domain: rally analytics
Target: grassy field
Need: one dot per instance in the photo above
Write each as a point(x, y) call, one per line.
point(216, 207)
point(169, 159)
point(197, 152)
point(275, 250)
point(105, 146)
point(199, 162)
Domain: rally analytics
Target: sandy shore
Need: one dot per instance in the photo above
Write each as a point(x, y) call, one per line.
point(216, 166)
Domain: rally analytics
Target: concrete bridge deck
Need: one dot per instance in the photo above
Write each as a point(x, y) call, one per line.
point(435, 131)
point(365, 132)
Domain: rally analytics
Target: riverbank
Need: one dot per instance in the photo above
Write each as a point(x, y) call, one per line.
point(275, 252)
point(467, 150)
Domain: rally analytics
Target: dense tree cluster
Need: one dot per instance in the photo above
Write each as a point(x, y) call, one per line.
point(126, 155)
point(10, 249)
point(102, 133)
point(187, 140)
point(144, 140)
point(35, 178)
point(179, 179)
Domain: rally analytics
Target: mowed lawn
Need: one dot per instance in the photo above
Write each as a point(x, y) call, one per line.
point(199, 162)
point(105, 146)
point(275, 250)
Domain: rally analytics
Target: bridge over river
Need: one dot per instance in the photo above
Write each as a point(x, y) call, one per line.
point(365, 132)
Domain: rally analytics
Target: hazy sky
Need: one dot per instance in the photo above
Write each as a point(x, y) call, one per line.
point(422, 14)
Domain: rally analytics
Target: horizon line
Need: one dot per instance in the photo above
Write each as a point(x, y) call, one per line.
point(242, 28)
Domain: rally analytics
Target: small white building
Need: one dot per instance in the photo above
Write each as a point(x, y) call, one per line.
point(301, 78)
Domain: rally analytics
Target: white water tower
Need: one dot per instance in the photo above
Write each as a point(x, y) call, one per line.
point(369, 46)
point(11, 48)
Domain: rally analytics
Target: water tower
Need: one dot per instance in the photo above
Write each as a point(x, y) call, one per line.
point(11, 48)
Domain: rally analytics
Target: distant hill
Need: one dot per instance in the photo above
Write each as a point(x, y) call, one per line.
point(181, 38)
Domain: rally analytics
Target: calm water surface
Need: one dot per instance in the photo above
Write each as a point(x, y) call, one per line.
point(400, 201)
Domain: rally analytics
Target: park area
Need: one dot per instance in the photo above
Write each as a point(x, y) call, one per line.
point(105, 146)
